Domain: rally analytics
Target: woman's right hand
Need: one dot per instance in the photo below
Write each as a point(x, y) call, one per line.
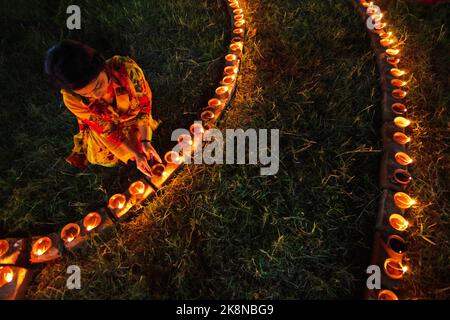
point(142, 164)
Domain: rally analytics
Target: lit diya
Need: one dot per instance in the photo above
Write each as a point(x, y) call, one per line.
point(117, 201)
point(392, 52)
point(384, 35)
point(387, 295)
point(159, 170)
point(230, 70)
point(403, 200)
point(403, 159)
point(6, 275)
point(239, 32)
point(399, 94)
point(234, 5)
point(92, 221)
point(4, 247)
point(231, 59)
point(239, 17)
point(401, 138)
point(397, 72)
point(196, 127)
point(70, 232)
point(402, 122)
point(393, 60)
point(239, 23)
point(228, 80)
point(398, 222)
point(236, 47)
point(137, 188)
point(402, 176)
point(394, 268)
point(172, 157)
point(399, 108)
point(386, 42)
point(223, 92)
point(398, 83)
point(238, 11)
point(41, 246)
point(207, 115)
point(185, 141)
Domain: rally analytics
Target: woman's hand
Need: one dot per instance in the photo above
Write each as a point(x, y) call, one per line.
point(150, 152)
point(142, 164)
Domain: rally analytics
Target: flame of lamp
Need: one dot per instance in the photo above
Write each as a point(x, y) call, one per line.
point(41, 246)
point(394, 268)
point(196, 127)
point(117, 201)
point(392, 52)
point(231, 59)
point(399, 94)
point(172, 157)
point(70, 232)
point(401, 138)
point(223, 93)
point(403, 159)
point(386, 42)
point(403, 200)
point(402, 122)
point(398, 83)
point(214, 102)
point(384, 35)
point(228, 80)
point(398, 222)
point(238, 11)
point(236, 47)
point(137, 188)
point(397, 72)
point(239, 31)
point(393, 61)
point(92, 221)
point(402, 176)
point(399, 108)
point(239, 23)
point(207, 115)
point(230, 70)
point(6, 275)
point(159, 170)
point(4, 247)
point(239, 17)
point(234, 5)
point(387, 295)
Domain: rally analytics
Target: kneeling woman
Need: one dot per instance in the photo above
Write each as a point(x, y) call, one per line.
point(112, 102)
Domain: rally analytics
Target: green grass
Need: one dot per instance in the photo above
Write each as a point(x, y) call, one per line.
point(222, 231)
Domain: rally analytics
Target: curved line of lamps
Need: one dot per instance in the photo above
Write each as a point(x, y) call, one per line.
point(16, 254)
point(390, 239)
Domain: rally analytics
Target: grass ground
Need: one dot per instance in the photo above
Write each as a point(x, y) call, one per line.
point(224, 231)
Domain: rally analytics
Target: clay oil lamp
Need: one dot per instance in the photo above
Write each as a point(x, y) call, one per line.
point(398, 83)
point(229, 71)
point(387, 295)
point(238, 11)
point(137, 189)
point(401, 122)
point(207, 115)
point(172, 157)
point(231, 59)
point(41, 246)
point(6, 275)
point(236, 48)
point(4, 247)
point(70, 232)
point(92, 221)
point(393, 60)
point(397, 72)
point(403, 200)
point(223, 92)
point(402, 176)
point(401, 138)
point(399, 94)
point(117, 201)
point(394, 268)
point(239, 32)
point(159, 170)
point(398, 222)
point(392, 52)
point(197, 128)
point(399, 108)
point(396, 247)
point(386, 42)
point(228, 80)
point(403, 159)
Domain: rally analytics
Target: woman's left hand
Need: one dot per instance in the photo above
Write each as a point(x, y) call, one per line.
point(150, 152)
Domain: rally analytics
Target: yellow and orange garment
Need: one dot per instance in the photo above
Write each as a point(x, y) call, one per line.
point(105, 125)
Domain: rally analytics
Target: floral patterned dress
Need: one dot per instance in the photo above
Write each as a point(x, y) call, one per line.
point(107, 122)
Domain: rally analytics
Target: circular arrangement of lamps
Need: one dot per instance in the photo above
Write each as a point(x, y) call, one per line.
point(17, 255)
point(390, 240)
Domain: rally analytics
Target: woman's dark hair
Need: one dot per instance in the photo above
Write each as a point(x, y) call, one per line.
point(72, 65)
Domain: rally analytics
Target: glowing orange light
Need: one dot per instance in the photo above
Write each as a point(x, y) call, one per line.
point(403, 159)
point(70, 232)
point(386, 42)
point(6, 275)
point(394, 268)
point(397, 72)
point(214, 102)
point(196, 127)
point(387, 295)
point(207, 115)
point(117, 201)
point(398, 222)
point(398, 83)
point(236, 46)
point(41, 246)
point(238, 11)
point(403, 200)
point(92, 221)
point(172, 157)
point(399, 108)
point(4, 247)
point(228, 80)
point(230, 70)
point(399, 94)
point(392, 52)
point(401, 138)
point(234, 5)
point(239, 17)
point(159, 170)
point(239, 31)
point(401, 122)
point(137, 188)
point(384, 35)
point(393, 61)
point(185, 140)
point(231, 57)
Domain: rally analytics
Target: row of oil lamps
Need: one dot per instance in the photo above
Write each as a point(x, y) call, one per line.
point(395, 246)
point(47, 248)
